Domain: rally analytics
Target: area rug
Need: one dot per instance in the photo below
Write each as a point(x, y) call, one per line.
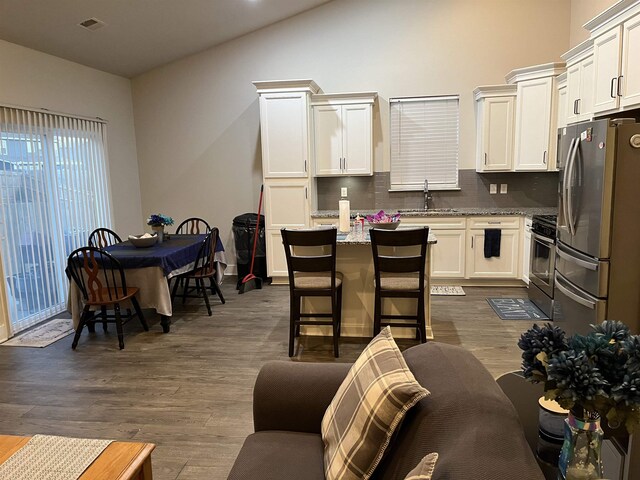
point(43, 335)
point(516, 309)
point(446, 290)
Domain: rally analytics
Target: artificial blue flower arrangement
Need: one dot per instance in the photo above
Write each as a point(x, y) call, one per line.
point(159, 220)
point(598, 372)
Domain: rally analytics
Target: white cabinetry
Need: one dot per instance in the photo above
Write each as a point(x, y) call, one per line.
point(562, 100)
point(504, 266)
point(536, 116)
point(495, 106)
point(342, 133)
point(284, 134)
point(448, 255)
point(616, 41)
point(580, 78)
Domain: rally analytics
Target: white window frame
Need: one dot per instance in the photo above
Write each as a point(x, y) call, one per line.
point(415, 157)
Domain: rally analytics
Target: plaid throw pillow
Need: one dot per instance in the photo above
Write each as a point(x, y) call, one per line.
point(371, 402)
point(424, 469)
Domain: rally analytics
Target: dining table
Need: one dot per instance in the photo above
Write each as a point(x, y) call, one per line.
point(151, 269)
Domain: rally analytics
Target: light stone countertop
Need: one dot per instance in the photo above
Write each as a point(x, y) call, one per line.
point(447, 212)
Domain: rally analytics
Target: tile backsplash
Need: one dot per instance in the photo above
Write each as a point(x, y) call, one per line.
point(525, 189)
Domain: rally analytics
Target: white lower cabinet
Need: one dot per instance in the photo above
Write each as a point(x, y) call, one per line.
point(276, 259)
point(286, 204)
point(507, 264)
point(448, 255)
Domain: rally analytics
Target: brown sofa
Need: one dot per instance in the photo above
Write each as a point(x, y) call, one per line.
point(467, 419)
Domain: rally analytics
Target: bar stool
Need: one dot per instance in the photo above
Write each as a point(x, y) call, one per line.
point(400, 276)
point(313, 276)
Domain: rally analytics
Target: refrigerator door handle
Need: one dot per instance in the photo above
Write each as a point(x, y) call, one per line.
point(562, 201)
point(569, 187)
point(578, 261)
point(573, 296)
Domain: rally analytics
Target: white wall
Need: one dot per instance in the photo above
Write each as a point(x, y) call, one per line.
point(33, 79)
point(197, 122)
point(581, 12)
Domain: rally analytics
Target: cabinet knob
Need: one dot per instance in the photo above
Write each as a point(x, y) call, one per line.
point(613, 91)
point(544, 157)
point(485, 158)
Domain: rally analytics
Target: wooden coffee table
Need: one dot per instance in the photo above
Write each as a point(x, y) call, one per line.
point(120, 460)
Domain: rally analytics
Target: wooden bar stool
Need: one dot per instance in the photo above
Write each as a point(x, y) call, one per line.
point(313, 276)
point(399, 275)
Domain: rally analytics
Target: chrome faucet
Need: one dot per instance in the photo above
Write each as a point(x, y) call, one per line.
point(427, 194)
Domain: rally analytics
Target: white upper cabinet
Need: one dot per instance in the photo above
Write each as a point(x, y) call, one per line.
point(495, 107)
point(630, 81)
point(606, 50)
point(580, 71)
point(616, 40)
point(536, 117)
point(343, 133)
point(284, 127)
point(562, 100)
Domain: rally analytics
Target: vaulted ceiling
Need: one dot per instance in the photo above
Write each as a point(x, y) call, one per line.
point(138, 35)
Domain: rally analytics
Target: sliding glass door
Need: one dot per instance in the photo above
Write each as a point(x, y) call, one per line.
point(53, 193)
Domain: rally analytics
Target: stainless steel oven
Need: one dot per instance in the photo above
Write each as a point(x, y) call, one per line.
point(543, 261)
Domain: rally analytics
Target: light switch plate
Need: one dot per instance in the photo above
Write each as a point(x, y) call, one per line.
point(503, 188)
point(493, 188)
point(343, 191)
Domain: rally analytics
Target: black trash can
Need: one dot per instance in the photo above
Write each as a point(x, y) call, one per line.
point(244, 227)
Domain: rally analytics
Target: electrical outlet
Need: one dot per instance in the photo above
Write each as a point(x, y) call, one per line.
point(493, 188)
point(343, 191)
point(503, 188)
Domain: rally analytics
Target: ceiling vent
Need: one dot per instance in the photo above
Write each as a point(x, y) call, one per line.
point(92, 24)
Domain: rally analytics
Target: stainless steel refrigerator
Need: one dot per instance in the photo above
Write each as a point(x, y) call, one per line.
point(597, 273)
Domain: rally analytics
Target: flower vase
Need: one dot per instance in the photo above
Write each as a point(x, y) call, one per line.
point(159, 232)
point(581, 454)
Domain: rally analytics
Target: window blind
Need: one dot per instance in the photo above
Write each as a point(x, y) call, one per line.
point(424, 142)
point(53, 193)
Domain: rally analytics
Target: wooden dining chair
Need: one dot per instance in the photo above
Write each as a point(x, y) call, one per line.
point(102, 283)
point(193, 226)
point(400, 273)
point(197, 226)
point(313, 276)
point(204, 269)
point(103, 237)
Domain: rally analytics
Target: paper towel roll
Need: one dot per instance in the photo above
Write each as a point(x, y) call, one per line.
point(345, 215)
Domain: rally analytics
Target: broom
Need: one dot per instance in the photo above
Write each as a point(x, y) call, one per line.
point(251, 282)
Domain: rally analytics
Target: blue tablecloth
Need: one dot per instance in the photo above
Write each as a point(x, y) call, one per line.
point(170, 255)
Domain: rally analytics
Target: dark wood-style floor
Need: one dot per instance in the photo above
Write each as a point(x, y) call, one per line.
point(189, 391)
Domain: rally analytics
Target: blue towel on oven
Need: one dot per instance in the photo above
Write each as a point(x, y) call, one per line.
point(492, 238)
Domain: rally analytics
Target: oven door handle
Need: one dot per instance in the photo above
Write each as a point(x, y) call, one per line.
point(542, 239)
point(578, 261)
point(575, 297)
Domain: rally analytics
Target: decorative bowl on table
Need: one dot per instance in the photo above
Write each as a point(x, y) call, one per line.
point(144, 240)
point(384, 220)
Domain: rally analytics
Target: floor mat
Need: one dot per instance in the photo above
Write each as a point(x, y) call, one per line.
point(446, 290)
point(44, 335)
point(516, 309)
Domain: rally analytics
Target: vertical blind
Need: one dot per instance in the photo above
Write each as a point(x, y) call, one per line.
point(53, 193)
point(424, 142)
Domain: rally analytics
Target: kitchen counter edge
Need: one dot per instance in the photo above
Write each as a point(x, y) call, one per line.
point(458, 212)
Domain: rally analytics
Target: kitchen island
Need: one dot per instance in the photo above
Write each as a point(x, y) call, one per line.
point(355, 262)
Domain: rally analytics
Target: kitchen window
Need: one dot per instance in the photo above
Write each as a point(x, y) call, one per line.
point(424, 142)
